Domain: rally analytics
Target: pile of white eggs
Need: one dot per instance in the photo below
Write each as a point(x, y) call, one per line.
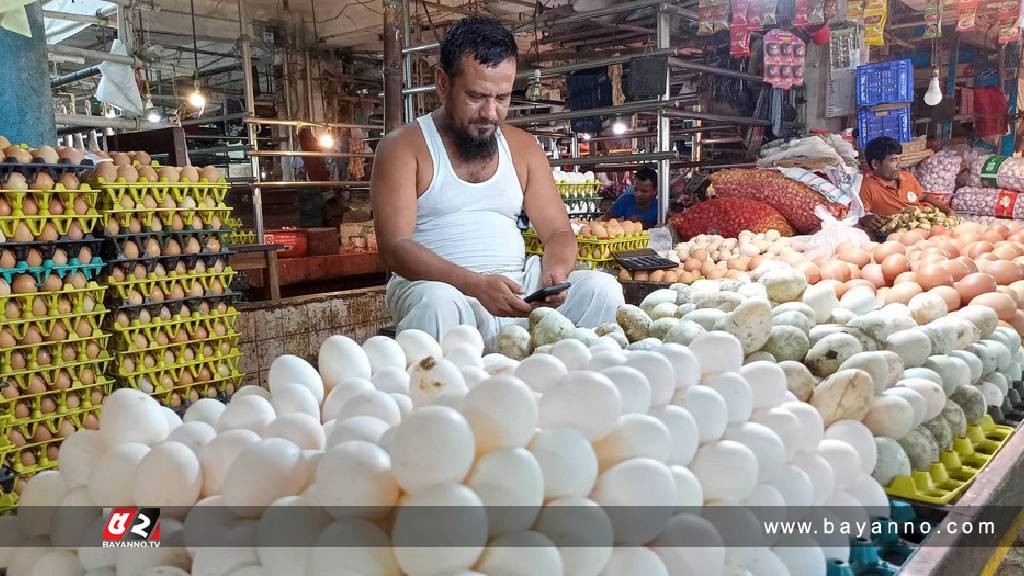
point(411, 422)
point(573, 177)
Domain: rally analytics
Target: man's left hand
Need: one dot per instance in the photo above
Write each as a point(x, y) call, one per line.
point(552, 278)
point(942, 206)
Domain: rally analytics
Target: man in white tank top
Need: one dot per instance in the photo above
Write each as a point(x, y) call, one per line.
point(448, 190)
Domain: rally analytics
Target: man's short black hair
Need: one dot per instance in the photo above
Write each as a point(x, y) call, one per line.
point(647, 175)
point(880, 148)
point(485, 39)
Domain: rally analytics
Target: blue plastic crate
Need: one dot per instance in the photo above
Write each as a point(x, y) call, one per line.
point(892, 123)
point(885, 82)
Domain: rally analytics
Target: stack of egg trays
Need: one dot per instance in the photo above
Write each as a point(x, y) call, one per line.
point(164, 343)
point(13, 216)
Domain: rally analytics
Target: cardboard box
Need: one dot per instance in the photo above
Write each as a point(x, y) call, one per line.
point(323, 241)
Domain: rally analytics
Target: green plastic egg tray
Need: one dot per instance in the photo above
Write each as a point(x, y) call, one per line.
point(587, 248)
point(125, 338)
point(183, 396)
point(169, 356)
point(40, 273)
point(241, 237)
point(35, 224)
point(68, 321)
point(167, 283)
point(74, 296)
point(76, 345)
point(199, 191)
point(988, 437)
point(34, 402)
point(16, 458)
point(50, 371)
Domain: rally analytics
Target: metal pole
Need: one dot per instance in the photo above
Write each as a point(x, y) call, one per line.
point(664, 122)
point(309, 85)
point(300, 123)
point(250, 108)
point(83, 121)
point(717, 117)
point(75, 76)
point(616, 8)
point(421, 48)
point(62, 50)
point(726, 72)
point(407, 100)
point(287, 170)
point(620, 158)
point(210, 119)
point(101, 19)
point(629, 108)
point(392, 66)
point(304, 154)
point(307, 184)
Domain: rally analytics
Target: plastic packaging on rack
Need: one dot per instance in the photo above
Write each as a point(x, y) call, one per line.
point(833, 232)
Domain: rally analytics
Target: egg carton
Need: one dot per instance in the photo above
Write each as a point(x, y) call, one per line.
point(116, 245)
point(129, 266)
point(943, 483)
point(90, 270)
point(69, 295)
point(989, 437)
point(31, 169)
point(172, 354)
point(70, 350)
point(27, 409)
point(34, 225)
point(163, 372)
point(70, 322)
point(16, 199)
point(199, 191)
point(153, 305)
point(127, 338)
point(181, 397)
point(40, 455)
point(49, 373)
point(144, 314)
point(47, 249)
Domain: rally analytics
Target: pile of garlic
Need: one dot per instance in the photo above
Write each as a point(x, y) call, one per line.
point(413, 422)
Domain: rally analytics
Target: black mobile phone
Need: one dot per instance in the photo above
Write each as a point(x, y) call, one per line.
point(543, 293)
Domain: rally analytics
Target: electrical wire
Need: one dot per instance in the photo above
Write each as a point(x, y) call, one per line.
point(195, 40)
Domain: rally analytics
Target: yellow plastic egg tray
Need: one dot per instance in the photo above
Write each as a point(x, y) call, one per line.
point(35, 224)
point(566, 190)
point(947, 479)
point(16, 199)
point(78, 345)
point(15, 459)
point(68, 321)
point(146, 217)
point(157, 377)
point(187, 282)
point(588, 247)
point(49, 372)
point(158, 354)
point(34, 402)
point(70, 294)
point(182, 396)
point(198, 191)
point(126, 336)
point(241, 237)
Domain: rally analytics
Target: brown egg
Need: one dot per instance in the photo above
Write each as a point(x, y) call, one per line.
point(196, 291)
point(113, 227)
point(10, 391)
point(19, 154)
point(42, 181)
point(121, 159)
point(24, 284)
point(894, 265)
point(12, 310)
point(29, 206)
point(77, 280)
point(1006, 251)
point(134, 225)
point(192, 246)
point(69, 353)
point(171, 173)
point(58, 334)
point(930, 275)
point(89, 421)
point(156, 294)
point(210, 174)
point(902, 292)
point(873, 273)
point(835, 270)
point(975, 284)
point(39, 307)
point(906, 277)
point(21, 410)
point(1011, 293)
point(189, 174)
point(1003, 271)
point(855, 256)
point(67, 427)
point(957, 269)
point(148, 173)
point(62, 381)
point(7, 340)
point(84, 328)
point(7, 259)
point(68, 181)
point(49, 233)
point(18, 360)
point(35, 257)
point(978, 248)
point(32, 336)
point(64, 305)
point(1003, 305)
point(134, 298)
point(53, 283)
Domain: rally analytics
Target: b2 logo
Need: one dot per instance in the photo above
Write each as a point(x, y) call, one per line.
point(132, 528)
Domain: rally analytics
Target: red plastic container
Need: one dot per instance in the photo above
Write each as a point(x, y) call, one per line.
point(295, 240)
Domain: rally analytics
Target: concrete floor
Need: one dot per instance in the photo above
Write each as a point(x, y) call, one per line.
point(1013, 564)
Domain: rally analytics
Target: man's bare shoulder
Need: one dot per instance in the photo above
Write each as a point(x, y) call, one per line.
point(408, 138)
point(519, 140)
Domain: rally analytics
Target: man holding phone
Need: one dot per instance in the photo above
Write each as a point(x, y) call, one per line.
point(447, 192)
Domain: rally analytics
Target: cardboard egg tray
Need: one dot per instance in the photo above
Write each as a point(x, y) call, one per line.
point(43, 454)
point(199, 191)
point(31, 169)
point(70, 322)
point(35, 224)
point(47, 249)
point(69, 295)
point(127, 337)
point(169, 355)
point(115, 245)
point(161, 374)
point(16, 200)
point(90, 270)
point(180, 398)
point(61, 406)
point(71, 350)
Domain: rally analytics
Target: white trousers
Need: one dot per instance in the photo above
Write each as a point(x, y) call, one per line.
point(436, 307)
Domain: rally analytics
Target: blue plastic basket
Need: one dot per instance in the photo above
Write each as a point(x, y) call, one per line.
point(892, 123)
point(885, 82)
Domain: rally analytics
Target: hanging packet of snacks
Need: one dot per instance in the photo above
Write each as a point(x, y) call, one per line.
point(966, 15)
point(855, 11)
point(768, 8)
point(933, 19)
point(706, 18)
point(739, 31)
point(783, 59)
point(753, 15)
point(875, 14)
point(1009, 31)
point(721, 16)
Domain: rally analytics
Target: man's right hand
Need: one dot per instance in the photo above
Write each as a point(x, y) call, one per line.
point(872, 222)
point(500, 296)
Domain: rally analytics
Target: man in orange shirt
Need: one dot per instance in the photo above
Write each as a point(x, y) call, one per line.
point(886, 188)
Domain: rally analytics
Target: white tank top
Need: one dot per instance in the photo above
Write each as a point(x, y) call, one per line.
point(471, 225)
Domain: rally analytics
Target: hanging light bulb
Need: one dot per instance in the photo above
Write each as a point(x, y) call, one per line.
point(110, 112)
point(153, 115)
point(934, 94)
point(585, 136)
point(535, 91)
point(196, 98)
point(326, 140)
point(619, 127)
